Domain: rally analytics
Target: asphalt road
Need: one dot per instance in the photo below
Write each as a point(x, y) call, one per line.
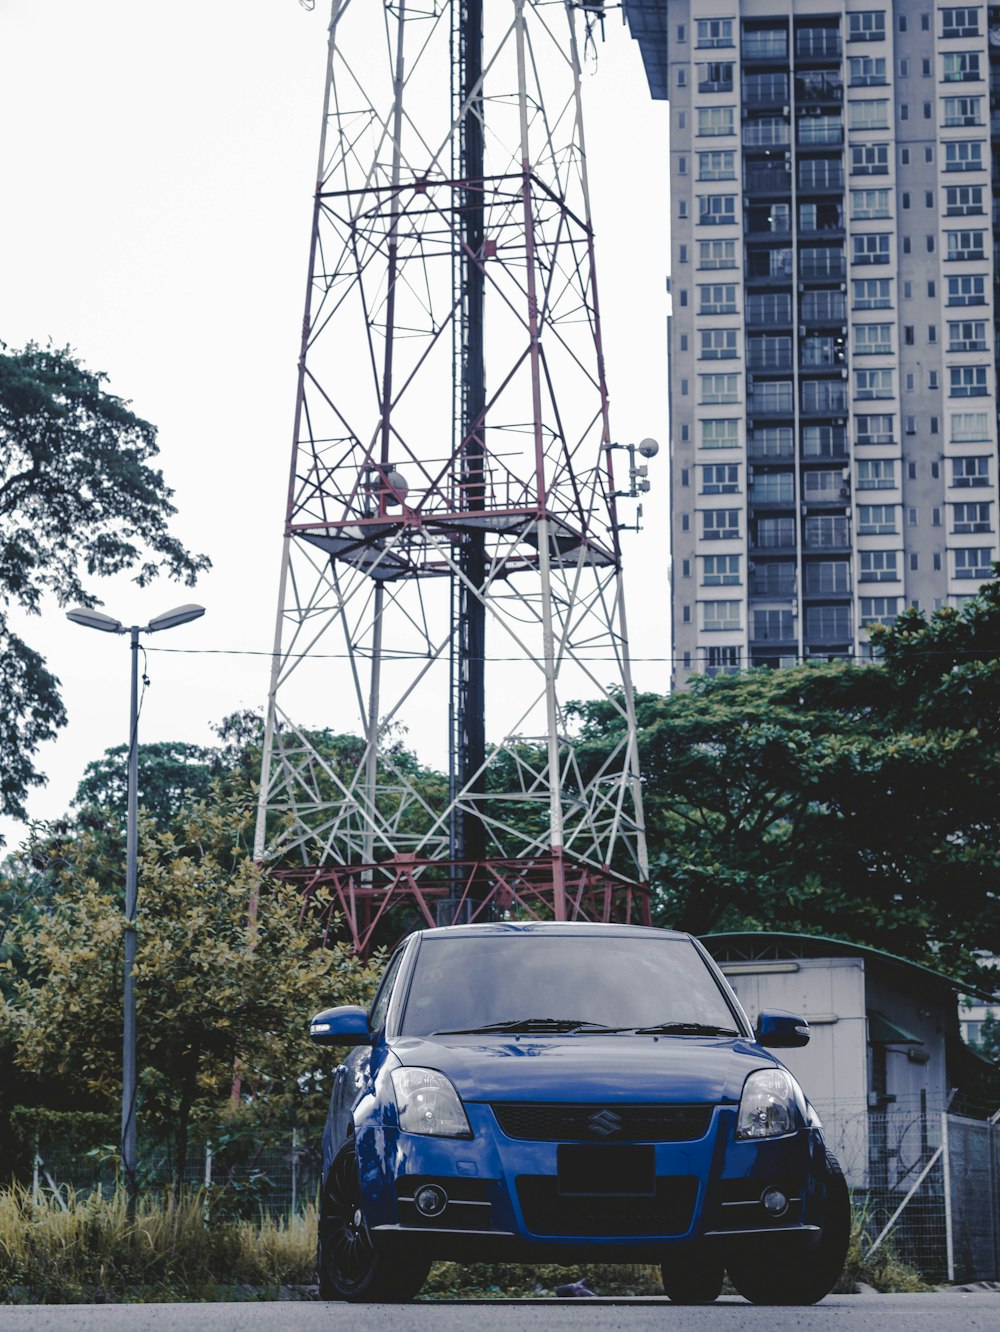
point(977, 1311)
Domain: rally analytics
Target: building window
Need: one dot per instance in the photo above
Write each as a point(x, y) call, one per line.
point(866, 25)
point(871, 159)
point(974, 562)
point(717, 166)
point(967, 381)
point(967, 335)
point(717, 209)
point(870, 248)
point(722, 660)
point(969, 245)
point(876, 474)
point(774, 533)
point(827, 576)
point(715, 77)
point(872, 339)
point(963, 155)
point(828, 624)
point(878, 610)
point(720, 570)
point(967, 472)
point(960, 111)
point(971, 518)
point(824, 531)
point(871, 294)
point(875, 429)
point(866, 71)
point(960, 21)
point(772, 442)
point(720, 434)
point(718, 344)
point(719, 388)
point(963, 200)
point(773, 487)
point(718, 299)
point(961, 67)
point(720, 616)
point(869, 204)
point(873, 384)
point(966, 290)
point(869, 115)
point(714, 32)
point(970, 427)
point(876, 519)
point(773, 626)
point(720, 524)
point(717, 254)
point(878, 566)
point(720, 479)
point(715, 120)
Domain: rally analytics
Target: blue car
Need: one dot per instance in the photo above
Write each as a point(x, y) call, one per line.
point(568, 1092)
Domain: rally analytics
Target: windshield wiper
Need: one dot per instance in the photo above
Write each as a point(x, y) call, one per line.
point(529, 1024)
point(684, 1029)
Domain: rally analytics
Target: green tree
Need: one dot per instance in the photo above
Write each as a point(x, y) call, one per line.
point(219, 986)
point(172, 774)
point(857, 801)
point(78, 499)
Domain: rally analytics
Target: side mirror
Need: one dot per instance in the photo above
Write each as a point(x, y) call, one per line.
point(781, 1031)
point(346, 1025)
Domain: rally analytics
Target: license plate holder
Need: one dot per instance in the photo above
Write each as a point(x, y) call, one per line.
point(607, 1171)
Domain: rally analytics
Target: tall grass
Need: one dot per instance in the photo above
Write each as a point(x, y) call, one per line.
point(70, 1248)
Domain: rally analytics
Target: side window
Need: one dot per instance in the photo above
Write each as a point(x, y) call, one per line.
point(380, 1004)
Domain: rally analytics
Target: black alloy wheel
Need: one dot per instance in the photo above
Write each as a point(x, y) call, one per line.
point(692, 1274)
point(350, 1265)
point(772, 1273)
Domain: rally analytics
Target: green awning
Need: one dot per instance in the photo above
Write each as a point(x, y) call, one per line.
point(883, 1032)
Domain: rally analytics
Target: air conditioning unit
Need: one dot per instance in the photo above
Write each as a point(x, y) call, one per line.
point(845, 492)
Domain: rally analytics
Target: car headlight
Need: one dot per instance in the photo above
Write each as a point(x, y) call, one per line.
point(767, 1106)
point(426, 1102)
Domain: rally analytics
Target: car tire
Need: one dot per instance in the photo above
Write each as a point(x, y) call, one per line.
point(350, 1264)
point(773, 1274)
point(692, 1275)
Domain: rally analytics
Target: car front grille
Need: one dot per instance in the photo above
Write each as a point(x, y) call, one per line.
point(667, 1212)
point(541, 1122)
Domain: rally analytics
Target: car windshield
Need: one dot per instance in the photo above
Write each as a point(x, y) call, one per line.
point(557, 983)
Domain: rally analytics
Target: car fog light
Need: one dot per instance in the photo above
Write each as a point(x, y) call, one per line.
point(431, 1200)
point(774, 1202)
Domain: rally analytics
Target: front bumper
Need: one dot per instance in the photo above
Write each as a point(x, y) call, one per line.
point(503, 1196)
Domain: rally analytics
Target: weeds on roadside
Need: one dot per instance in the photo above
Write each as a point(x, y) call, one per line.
point(66, 1248)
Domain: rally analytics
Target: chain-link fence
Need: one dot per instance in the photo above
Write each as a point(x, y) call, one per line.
point(274, 1173)
point(926, 1183)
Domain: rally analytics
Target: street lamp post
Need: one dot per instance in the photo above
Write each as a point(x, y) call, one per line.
point(93, 619)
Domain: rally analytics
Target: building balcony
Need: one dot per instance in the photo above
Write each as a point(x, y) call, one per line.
point(771, 181)
point(817, 44)
point(816, 88)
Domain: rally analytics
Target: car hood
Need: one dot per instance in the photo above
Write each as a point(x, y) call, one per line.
point(586, 1068)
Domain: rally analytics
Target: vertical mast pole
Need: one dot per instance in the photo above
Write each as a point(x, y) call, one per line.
point(548, 637)
point(467, 835)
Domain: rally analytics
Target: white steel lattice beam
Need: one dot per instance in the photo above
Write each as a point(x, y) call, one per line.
point(391, 486)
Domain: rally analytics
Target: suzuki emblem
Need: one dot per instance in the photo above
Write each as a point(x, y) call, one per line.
point(604, 1123)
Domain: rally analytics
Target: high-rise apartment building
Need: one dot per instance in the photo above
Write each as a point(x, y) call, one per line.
point(833, 335)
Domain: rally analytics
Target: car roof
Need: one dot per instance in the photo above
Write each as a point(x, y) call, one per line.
point(510, 928)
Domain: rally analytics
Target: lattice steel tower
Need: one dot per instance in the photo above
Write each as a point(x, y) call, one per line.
point(451, 561)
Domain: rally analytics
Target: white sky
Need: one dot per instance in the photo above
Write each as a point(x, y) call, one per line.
point(158, 164)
